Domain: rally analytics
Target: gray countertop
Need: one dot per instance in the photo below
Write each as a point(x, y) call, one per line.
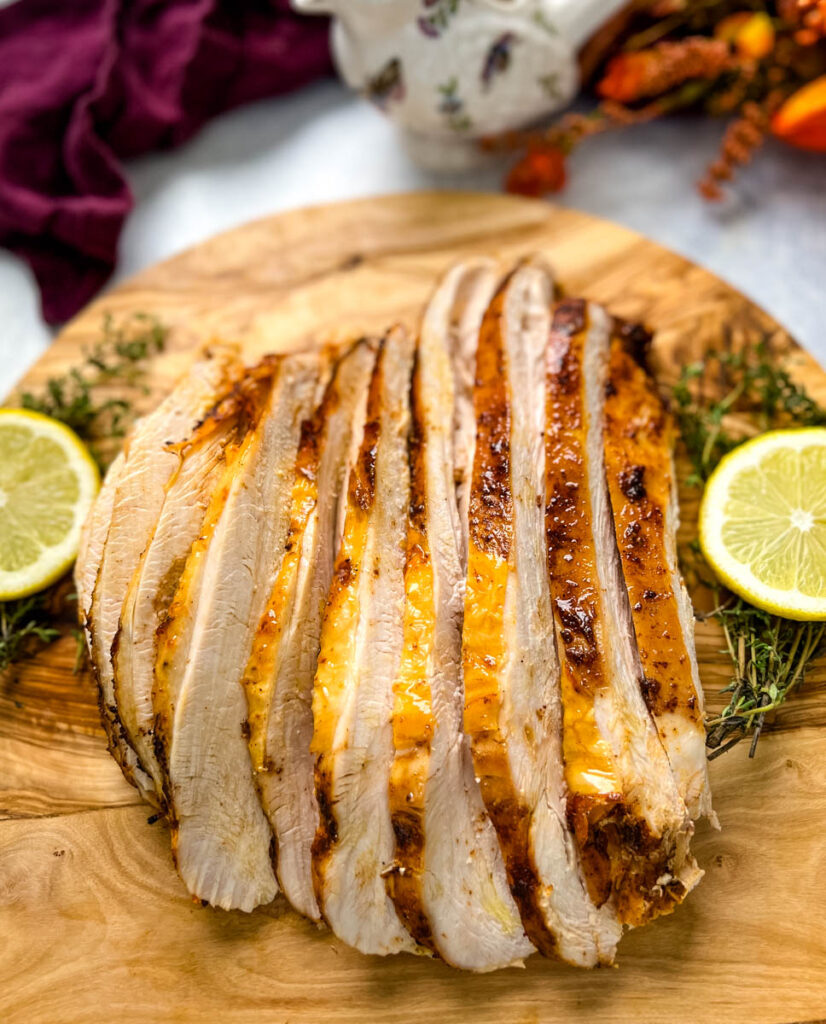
point(769, 239)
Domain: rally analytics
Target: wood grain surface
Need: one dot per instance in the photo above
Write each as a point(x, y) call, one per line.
point(94, 923)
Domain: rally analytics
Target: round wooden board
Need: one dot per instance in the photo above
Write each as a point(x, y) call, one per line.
point(94, 922)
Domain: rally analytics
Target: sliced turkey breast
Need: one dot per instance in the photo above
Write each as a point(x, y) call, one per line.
point(92, 540)
point(462, 298)
point(138, 498)
point(203, 458)
point(221, 836)
point(174, 634)
point(448, 879)
point(639, 442)
point(630, 822)
point(281, 668)
point(512, 678)
point(361, 644)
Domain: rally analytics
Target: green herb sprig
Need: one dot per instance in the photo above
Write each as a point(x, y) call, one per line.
point(719, 404)
point(24, 625)
point(756, 395)
point(770, 657)
point(83, 399)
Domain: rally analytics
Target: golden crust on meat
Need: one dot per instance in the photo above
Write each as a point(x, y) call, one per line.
point(247, 400)
point(338, 640)
point(639, 438)
point(622, 860)
point(490, 553)
point(259, 677)
point(413, 721)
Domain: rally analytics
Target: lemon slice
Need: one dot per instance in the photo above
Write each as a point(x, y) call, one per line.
point(763, 522)
point(48, 482)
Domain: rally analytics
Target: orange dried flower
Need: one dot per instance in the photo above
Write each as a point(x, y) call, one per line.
point(809, 16)
point(657, 70)
point(801, 121)
point(625, 77)
point(540, 171)
point(752, 35)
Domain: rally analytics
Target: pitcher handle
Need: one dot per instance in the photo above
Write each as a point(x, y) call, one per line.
point(313, 6)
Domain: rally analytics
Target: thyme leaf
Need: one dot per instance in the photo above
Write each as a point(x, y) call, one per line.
point(755, 395)
point(770, 656)
point(25, 625)
point(83, 398)
point(719, 404)
point(95, 400)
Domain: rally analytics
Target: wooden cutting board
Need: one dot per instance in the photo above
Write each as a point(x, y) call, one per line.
point(94, 923)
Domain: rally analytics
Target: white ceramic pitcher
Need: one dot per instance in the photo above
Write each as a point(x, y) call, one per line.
point(450, 71)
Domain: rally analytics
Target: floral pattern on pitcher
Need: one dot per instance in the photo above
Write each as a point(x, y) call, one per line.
point(433, 25)
point(498, 58)
point(453, 107)
point(387, 85)
point(451, 71)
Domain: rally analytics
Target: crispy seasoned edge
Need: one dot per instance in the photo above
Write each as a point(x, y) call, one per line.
point(639, 438)
point(484, 651)
point(339, 625)
point(620, 857)
point(413, 722)
point(248, 398)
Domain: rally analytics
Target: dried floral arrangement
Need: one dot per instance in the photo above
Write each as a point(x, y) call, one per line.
point(761, 64)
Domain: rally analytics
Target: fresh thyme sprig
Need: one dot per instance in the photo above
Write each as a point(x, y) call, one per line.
point(752, 394)
point(770, 657)
point(83, 399)
point(24, 625)
point(719, 404)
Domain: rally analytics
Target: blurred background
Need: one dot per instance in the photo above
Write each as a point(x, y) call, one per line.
point(766, 234)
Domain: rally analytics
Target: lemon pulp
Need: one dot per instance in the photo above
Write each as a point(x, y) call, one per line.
point(763, 522)
point(48, 482)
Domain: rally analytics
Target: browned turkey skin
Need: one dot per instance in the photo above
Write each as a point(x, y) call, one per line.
point(630, 823)
point(639, 441)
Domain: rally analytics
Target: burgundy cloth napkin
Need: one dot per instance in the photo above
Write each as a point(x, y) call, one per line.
point(84, 83)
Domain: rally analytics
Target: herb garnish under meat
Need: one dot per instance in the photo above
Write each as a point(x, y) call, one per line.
point(720, 403)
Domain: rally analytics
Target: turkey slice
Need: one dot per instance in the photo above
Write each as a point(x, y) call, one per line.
point(174, 633)
point(92, 540)
point(221, 837)
point(136, 505)
point(203, 458)
point(448, 879)
point(361, 643)
point(279, 676)
point(630, 822)
point(639, 443)
point(513, 710)
point(466, 291)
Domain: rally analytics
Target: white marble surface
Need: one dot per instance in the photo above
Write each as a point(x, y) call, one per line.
point(324, 144)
